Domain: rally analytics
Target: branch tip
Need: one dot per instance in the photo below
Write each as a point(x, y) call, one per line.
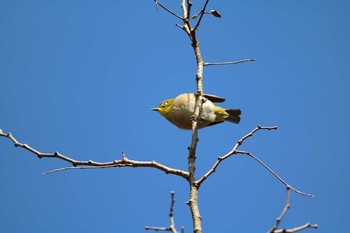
point(228, 62)
point(178, 25)
point(275, 174)
point(171, 227)
point(167, 9)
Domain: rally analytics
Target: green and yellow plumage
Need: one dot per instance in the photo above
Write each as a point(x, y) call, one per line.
point(180, 110)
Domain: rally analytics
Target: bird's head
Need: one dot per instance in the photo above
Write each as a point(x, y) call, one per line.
point(164, 107)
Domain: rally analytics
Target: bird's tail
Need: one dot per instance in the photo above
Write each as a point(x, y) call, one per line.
point(234, 115)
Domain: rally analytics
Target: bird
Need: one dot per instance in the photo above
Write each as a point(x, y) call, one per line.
point(179, 111)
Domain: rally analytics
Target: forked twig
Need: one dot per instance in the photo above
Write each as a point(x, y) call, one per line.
point(171, 227)
point(274, 229)
point(284, 211)
point(201, 15)
point(233, 151)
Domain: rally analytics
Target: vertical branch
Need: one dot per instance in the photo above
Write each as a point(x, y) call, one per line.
point(192, 150)
point(171, 227)
point(192, 34)
point(193, 202)
point(171, 213)
point(284, 211)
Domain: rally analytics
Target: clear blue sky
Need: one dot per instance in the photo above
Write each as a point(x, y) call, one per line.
point(80, 77)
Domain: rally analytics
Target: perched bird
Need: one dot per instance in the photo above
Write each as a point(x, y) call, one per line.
point(180, 110)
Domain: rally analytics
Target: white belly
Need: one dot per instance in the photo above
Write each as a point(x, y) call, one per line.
point(183, 109)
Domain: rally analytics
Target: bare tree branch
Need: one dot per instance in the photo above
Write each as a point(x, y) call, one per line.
point(193, 201)
point(274, 173)
point(306, 225)
point(168, 10)
point(186, 8)
point(284, 211)
point(229, 62)
point(274, 229)
point(233, 151)
point(171, 227)
point(124, 162)
point(201, 15)
point(171, 213)
point(190, 175)
point(212, 12)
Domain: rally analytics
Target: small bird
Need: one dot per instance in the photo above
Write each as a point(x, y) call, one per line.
point(179, 111)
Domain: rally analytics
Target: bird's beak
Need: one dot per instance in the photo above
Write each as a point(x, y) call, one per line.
point(154, 109)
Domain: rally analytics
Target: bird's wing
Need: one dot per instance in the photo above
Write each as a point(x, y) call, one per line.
point(214, 98)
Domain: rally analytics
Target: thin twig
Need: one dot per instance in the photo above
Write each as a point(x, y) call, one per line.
point(171, 213)
point(274, 173)
point(230, 153)
point(168, 10)
point(156, 1)
point(284, 211)
point(180, 26)
point(212, 12)
point(229, 62)
point(274, 229)
point(89, 164)
point(296, 229)
point(235, 151)
point(157, 228)
point(201, 15)
point(171, 227)
point(196, 15)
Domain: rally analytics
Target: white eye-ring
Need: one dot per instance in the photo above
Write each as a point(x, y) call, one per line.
point(162, 105)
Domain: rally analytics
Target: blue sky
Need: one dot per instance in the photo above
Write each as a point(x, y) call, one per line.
point(80, 77)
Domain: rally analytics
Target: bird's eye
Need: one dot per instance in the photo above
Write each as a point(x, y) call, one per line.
point(162, 105)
